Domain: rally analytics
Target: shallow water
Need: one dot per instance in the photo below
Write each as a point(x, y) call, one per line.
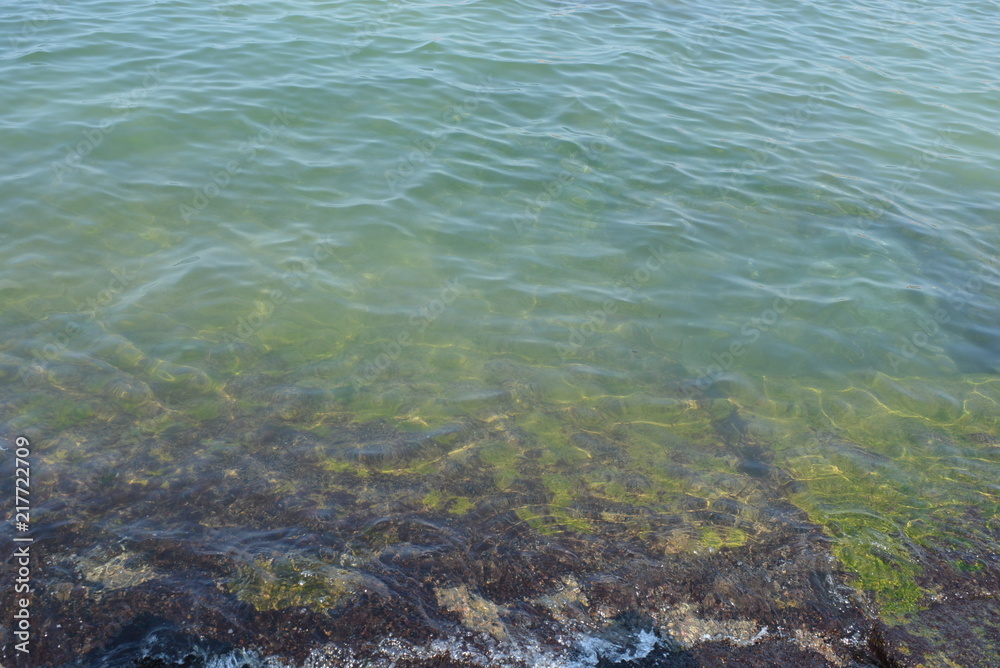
point(439, 311)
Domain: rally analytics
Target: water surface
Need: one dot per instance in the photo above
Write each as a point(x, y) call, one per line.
point(463, 320)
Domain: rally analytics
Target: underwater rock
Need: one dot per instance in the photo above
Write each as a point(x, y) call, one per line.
point(379, 445)
point(603, 450)
point(477, 613)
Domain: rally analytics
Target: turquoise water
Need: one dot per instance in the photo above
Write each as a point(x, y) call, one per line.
point(633, 220)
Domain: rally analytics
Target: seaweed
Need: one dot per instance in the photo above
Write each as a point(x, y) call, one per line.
point(847, 520)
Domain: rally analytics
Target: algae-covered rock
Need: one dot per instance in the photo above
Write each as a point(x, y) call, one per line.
point(111, 570)
point(276, 584)
point(476, 612)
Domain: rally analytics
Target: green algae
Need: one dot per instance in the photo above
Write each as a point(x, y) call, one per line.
point(890, 471)
point(883, 568)
point(718, 538)
point(278, 583)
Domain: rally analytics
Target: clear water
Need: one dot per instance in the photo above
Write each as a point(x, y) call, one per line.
point(629, 222)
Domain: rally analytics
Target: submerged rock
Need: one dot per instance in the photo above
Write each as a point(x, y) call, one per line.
point(477, 613)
